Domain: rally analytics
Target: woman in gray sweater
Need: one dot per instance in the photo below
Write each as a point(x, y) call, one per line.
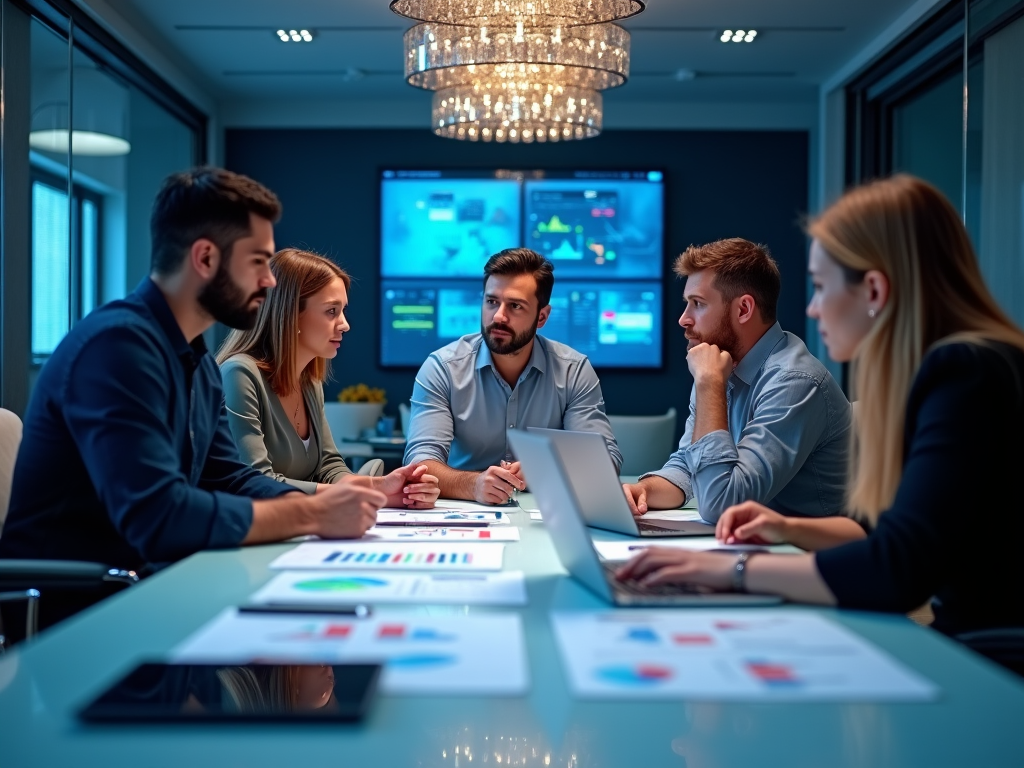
point(273, 383)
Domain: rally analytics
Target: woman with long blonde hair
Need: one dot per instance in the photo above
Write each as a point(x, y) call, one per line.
point(273, 383)
point(938, 371)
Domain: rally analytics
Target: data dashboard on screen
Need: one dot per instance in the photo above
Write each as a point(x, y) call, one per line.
point(602, 230)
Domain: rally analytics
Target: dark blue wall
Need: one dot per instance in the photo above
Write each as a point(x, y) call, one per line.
point(750, 184)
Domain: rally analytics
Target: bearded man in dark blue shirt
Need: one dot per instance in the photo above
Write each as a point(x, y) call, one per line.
point(127, 458)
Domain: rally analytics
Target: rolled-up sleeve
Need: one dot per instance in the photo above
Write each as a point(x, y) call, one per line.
point(431, 424)
point(115, 395)
point(585, 409)
point(789, 419)
point(675, 470)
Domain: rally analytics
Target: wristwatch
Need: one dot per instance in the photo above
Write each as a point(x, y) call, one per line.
point(739, 572)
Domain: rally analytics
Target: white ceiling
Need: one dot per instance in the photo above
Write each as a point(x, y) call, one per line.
point(229, 47)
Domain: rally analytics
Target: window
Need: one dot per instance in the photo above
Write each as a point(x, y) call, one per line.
point(65, 251)
point(907, 113)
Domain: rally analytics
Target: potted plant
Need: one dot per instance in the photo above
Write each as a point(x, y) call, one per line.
point(358, 409)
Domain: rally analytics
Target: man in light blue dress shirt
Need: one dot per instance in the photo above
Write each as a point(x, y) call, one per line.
point(767, 422)
point(469, 393)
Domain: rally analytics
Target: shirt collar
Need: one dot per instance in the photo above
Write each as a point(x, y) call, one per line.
point(151, 295)
point(538, 357)
point(754, 359)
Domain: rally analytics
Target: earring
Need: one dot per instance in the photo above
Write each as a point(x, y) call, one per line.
point(871, 310)
point(871, 313)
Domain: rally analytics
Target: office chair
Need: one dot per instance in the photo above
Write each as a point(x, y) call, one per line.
point(1004, 646)
point(405, 414)
point(31, 580)
point(372, 468)
point(645, 441)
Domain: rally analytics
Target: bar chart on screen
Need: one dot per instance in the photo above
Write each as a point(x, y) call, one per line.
point(418, 556)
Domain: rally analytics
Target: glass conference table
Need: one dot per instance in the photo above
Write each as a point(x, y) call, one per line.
point(976, 721)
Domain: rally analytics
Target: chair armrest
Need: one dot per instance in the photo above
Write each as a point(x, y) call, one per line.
point(62, 574)
point(1003, 645)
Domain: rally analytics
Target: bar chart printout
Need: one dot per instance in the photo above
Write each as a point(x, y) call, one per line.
point(753, 654)
point(418, 556)
point(437, 655)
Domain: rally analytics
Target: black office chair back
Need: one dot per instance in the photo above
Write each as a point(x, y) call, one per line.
point(1004, 646)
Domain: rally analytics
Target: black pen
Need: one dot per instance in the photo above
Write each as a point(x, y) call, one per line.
point(358, 611)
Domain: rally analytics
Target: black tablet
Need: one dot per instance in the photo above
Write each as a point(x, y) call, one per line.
point(161, 692)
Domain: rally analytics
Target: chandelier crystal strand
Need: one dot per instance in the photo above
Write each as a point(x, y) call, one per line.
point(532, 14)
point(442, 55)
point(508, 110)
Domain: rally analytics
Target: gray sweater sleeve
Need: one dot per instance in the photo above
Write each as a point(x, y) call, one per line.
point(248, 408)
point(332, 465)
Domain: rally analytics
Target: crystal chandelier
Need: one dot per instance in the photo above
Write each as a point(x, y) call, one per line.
point(517, 70)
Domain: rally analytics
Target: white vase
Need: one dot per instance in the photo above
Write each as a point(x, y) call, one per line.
point(348, 420)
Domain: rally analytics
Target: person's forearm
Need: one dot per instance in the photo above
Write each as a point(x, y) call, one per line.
point(293, 514)
point(794, 577)
point(661, 494)
point(454, 483)
point(712, 412)
point(817, 533)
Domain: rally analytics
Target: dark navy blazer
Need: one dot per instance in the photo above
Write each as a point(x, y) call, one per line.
point(126, 457)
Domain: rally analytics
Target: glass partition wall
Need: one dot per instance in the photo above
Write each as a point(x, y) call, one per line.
point(947, 105)
point(87, 133)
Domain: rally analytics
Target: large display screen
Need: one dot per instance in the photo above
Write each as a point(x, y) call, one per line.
point(603, 231)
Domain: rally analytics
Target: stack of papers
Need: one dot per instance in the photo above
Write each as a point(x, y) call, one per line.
point(741, 655)
point(475, 655)
point(400, 556)
point(325, 588)
point(389, 516)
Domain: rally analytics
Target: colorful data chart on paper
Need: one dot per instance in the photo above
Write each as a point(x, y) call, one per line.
point(748, 655)
point(441, 533)
point(396, 556)
point(443, 517)
point(442, 655)
point(332, 588)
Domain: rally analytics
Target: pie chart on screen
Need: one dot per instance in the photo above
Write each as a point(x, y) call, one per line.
point(340, 584)
point(634, 675)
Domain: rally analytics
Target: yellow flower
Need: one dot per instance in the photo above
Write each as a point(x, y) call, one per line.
point(360, 393)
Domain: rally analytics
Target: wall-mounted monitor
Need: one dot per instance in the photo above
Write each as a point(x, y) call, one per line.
point(603, 231)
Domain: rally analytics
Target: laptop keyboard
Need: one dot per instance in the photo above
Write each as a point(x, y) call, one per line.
point(645, 526)
point(635, 588)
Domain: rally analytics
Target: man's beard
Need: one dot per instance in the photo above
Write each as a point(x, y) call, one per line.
point(723, 337)
point(514, 344)
point(226, 302)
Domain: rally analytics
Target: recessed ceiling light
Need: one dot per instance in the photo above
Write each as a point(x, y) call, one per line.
point(738, 36)
point(295, 35)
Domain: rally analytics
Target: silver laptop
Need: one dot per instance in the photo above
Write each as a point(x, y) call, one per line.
point(602, 501)
point(545, 471)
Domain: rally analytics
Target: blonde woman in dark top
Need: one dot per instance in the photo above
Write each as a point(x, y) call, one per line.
point(273, 384)
point(938, 370)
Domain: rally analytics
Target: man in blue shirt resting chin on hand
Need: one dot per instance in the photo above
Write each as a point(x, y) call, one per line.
point(127, 458)
point(767, 421)
point(468, 394)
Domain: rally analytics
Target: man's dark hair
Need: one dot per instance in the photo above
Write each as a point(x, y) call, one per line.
point(523, 261)
point(209, 203)
point(740, 267)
